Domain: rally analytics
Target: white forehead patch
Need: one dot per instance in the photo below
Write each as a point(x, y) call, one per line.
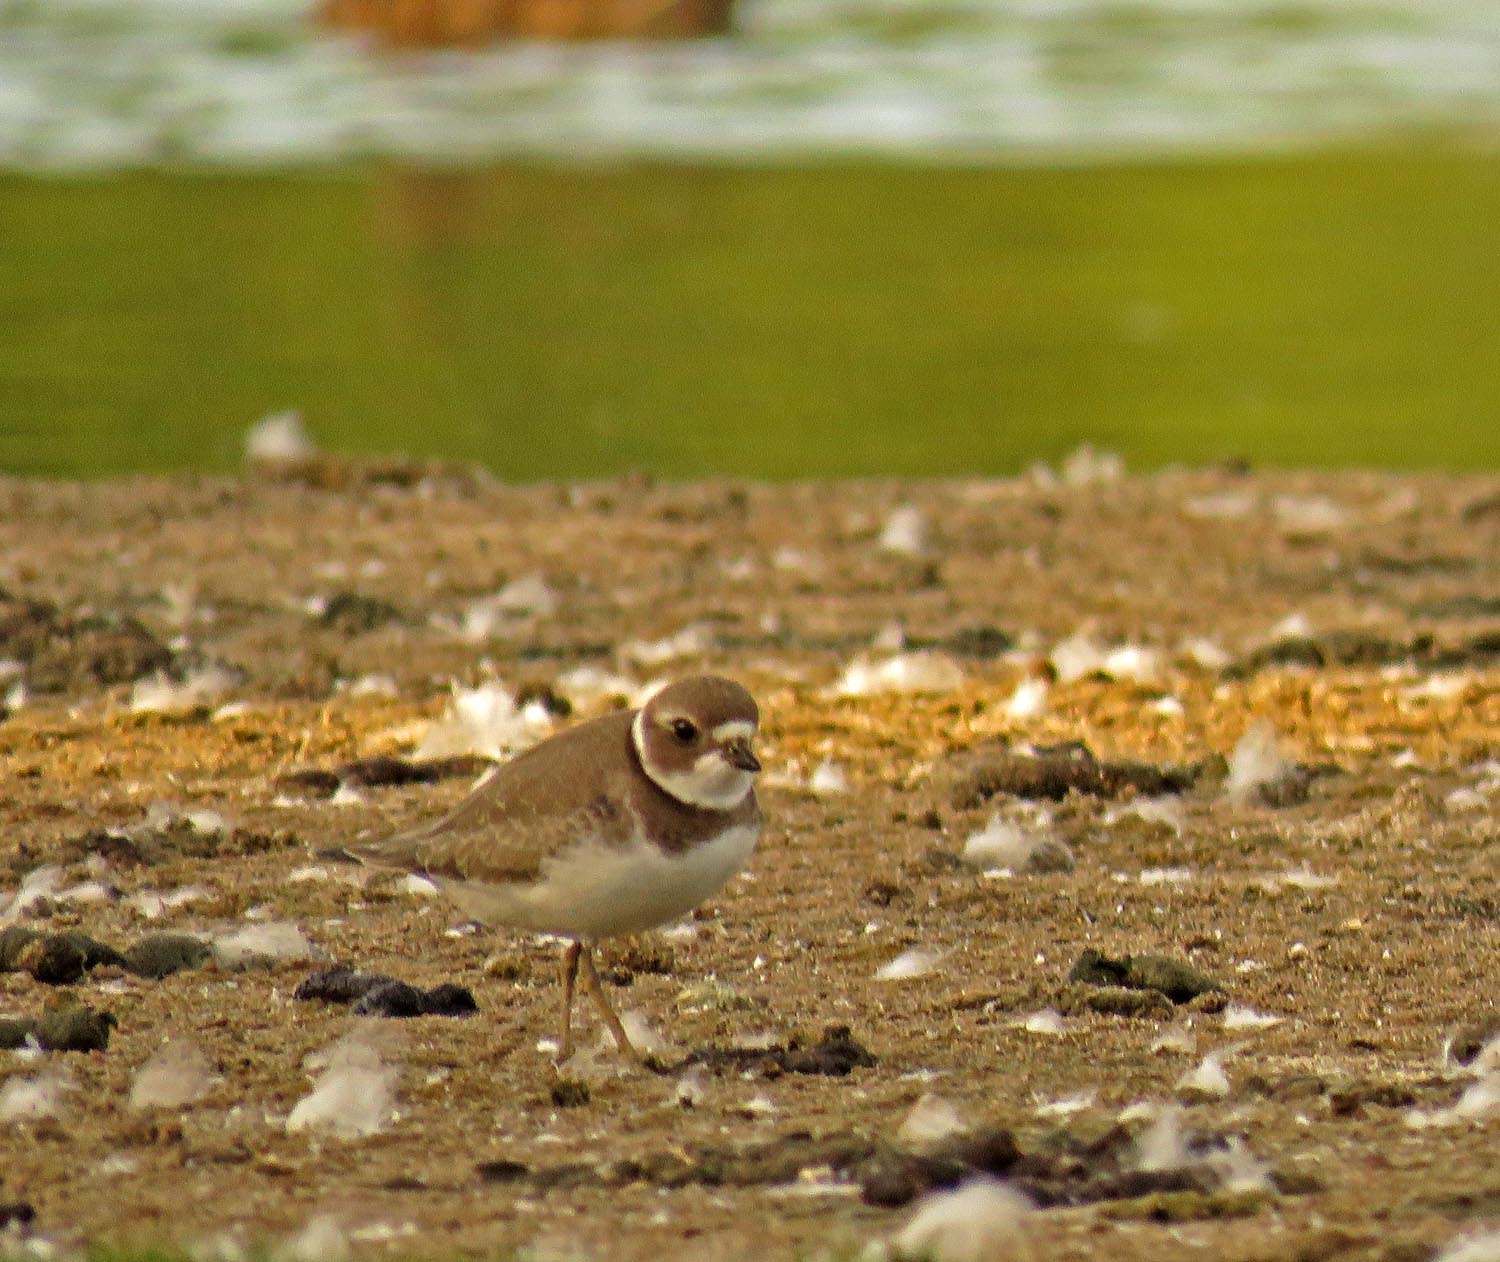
point(735, 729)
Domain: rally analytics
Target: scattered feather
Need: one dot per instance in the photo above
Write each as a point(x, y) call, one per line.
point(931, 1120)
point(909, 964)
point(257, 945)
point(905, 531)
point(1177, 1038)
point(1483, 1246)
point(1257, 763)
point(1220, 505)
point(1165, 876)
point(1163, 810)
point(1208, 654)
point(31, 1099)
point(373, 685)
point(1240, 1017)
point(280, 438)
point(691, 1088)
point(1044, 1021)
point(323, 1239)
point(177, 1075)
point(828, 779)
point(983, 1221)
point(519, 601)
point(1309, 515)
point(1207, 1079)
point(1480, 1102)
point(352, 1097)
point(161, 694)
point(692, 640)
point(1087, 465)
point(586, 686)
point(1080, 656)
point(154, 904)
point(1028, 700)
point(36, 885)
point(1002, 845)
point(1067, 1105)
point(919, 672)
point(484, 720)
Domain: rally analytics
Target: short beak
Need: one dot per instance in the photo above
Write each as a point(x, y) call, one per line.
point(738, 754)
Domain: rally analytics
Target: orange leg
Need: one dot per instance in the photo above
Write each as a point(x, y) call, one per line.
point(592, 984)
point(570, 974)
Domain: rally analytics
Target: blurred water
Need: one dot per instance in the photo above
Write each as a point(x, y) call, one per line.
point(129, 83)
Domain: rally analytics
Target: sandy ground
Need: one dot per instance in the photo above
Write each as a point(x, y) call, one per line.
point(1352, 896)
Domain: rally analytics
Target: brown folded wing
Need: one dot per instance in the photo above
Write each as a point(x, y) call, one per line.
point(526, 811)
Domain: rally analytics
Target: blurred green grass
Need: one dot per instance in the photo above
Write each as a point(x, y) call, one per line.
point(1328, 309)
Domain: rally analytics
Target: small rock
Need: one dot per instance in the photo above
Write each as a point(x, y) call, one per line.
point(159, 955)
point(1179, 982)
point(390, 999)
point(569, 1093)
point(75, 1028)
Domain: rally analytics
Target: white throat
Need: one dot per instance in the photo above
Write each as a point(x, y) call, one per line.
point(710, 783)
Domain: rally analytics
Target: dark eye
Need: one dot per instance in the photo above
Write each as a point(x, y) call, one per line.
point(684, 731)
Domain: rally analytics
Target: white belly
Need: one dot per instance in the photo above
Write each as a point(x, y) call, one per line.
point(594, 891)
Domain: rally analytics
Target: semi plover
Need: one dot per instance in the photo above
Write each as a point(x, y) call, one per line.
point(610, 827)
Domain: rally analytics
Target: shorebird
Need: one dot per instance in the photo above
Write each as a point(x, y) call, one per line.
point(611, 827)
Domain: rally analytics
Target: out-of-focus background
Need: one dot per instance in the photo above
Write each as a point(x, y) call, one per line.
point(847, 236)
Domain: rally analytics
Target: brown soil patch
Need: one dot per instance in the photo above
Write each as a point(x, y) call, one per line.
point(294, 589)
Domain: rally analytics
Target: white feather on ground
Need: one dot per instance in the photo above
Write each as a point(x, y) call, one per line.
point(1002, 844)
point(279, 438)
point(323, 1239)
point(1242, 1017)
point(904, 531)
point(36, 885)
point(30, 1099)
point(484, 720)
point(921, 672)
point(353, 1096)
point(983, 1221)
point(1028, 700)
point(909, 964)
point(828, 779)
point(1257, 763)
point(1207, 1079)
point(161, 694)
point(1482, 1246)
point(177, 1075)
point(930, 1120)
point(260, 944)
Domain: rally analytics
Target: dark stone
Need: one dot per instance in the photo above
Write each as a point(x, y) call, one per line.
point(14, 940)
point(1469, 1040)
point(391, 999)
point(449, 1000)
point(384, 770)
point(1052, 772)
point(17, 1214)
point(1179, 982)
point(502, 1171)
point(53, 960)
point(569, 1093)
point(377, 995)
point(159, 955)
point(75, 1028)
point(96, 954)
point(341, 983)
point(835, 1055)
point(14, 1031)
point(353, 613)
point(95, 651)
